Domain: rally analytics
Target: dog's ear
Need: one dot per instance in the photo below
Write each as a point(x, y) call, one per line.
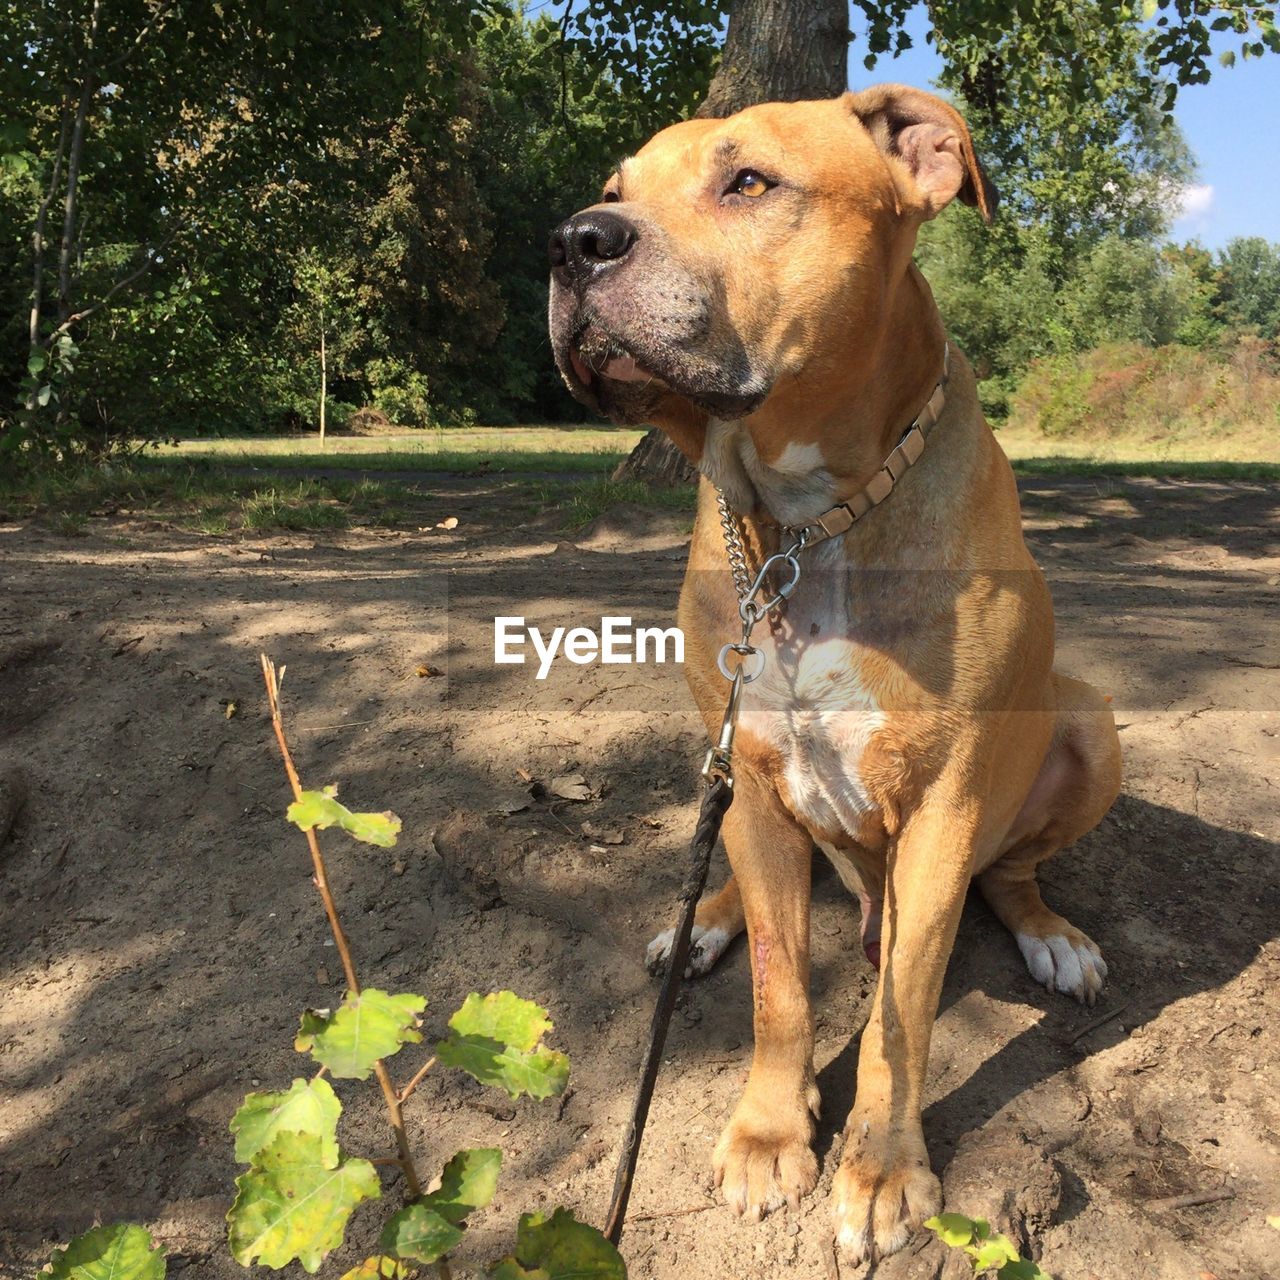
point(929, 138)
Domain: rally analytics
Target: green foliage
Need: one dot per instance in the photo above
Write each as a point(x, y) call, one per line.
point(294, 1202)
point(495, 1038)
point(310, 1106)
point(419, 1234)
point(385, 173)
point(366, 1028)
point(120, 1252)
point(987, 1250)
point(560, 1248)
point(1154, 394)
point(320, 809)
point(468, 1183)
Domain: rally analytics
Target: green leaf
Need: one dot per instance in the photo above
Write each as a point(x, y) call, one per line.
point(1022, 1269)
point(468, 1183)
point(994, 1252)
point(952, 1228)
point(294, 1203)
point(44, 395)
point(320, 809)
point(36, 362)
point(560, 1248)
point(310, 1106)
point(120, 1252)
point(495, 1039)
point(380, 1267)
point(366, 1027)
point(419, 1233)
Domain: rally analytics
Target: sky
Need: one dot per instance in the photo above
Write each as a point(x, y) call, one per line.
point(1232, 124)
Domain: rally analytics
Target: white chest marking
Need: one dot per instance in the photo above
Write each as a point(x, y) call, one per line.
point(811, 704)
point(794, 489)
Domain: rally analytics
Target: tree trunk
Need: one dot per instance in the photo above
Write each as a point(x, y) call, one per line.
point(775, 51)
point(38, 235)
point(780, 51)
point(70, 203)
point(324, 378)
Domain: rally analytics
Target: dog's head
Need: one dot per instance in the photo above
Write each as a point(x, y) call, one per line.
point(727, 255)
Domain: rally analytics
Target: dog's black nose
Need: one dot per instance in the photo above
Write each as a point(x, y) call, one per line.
point(583, 246)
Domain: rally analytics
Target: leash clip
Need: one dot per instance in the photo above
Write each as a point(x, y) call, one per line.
point(719, 761)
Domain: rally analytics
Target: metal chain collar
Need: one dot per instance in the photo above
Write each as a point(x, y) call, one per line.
point(751, 610)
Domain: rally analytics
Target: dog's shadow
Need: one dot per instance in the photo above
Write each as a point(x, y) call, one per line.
point(1130, 884)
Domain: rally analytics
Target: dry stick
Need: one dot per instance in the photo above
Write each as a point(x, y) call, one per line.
point(335, 926)
point(1193, 1199)
point(1098, 1022)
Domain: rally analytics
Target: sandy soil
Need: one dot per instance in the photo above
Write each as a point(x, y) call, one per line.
point(159, 933)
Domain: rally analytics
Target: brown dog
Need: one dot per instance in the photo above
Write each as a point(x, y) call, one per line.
point(748, 285)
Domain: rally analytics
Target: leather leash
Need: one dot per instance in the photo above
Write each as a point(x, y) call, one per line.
point(716, 800)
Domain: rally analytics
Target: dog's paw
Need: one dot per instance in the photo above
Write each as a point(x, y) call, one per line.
point(1072, 963)
point(706, 947)
point(764, 1160)
point(875, 1210)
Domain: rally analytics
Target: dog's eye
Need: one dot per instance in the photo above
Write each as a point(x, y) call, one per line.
point(611, 197)
point(750, 183)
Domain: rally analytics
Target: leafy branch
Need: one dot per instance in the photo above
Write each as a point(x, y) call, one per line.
point(300, 1188)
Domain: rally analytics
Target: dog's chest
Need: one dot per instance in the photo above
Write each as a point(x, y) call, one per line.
point(813, 705)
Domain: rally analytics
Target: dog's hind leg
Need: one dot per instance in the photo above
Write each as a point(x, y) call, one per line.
point(718, 921)
point(1076, 785)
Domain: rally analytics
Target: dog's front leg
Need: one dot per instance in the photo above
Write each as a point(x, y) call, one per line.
point(885, 1188)
point(764, 1158)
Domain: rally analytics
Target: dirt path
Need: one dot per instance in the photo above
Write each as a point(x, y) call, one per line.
point(159, 935)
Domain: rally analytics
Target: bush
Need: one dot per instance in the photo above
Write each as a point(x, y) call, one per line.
point(400, 393)
point(1154, 393)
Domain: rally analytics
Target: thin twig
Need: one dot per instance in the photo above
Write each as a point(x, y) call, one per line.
point(417, 1080)
point(321, 880)
point(1097, 1022)
point(674, 1213)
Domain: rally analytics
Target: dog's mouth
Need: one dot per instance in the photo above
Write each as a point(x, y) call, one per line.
point(596, 356)
point(612, 376)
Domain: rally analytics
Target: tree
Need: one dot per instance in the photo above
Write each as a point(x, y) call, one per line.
point(163, 134)
point(1249, 274)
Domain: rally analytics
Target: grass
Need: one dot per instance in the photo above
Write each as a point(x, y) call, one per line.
point(460, 450)
point(1157, 468)
point(581, 503)
point(230, 486)
point(200, 496)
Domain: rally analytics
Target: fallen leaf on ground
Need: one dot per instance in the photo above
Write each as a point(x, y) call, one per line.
point(450, 523)
point(571, 786)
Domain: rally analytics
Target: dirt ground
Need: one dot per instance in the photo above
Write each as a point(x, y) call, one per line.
point(159, 933)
